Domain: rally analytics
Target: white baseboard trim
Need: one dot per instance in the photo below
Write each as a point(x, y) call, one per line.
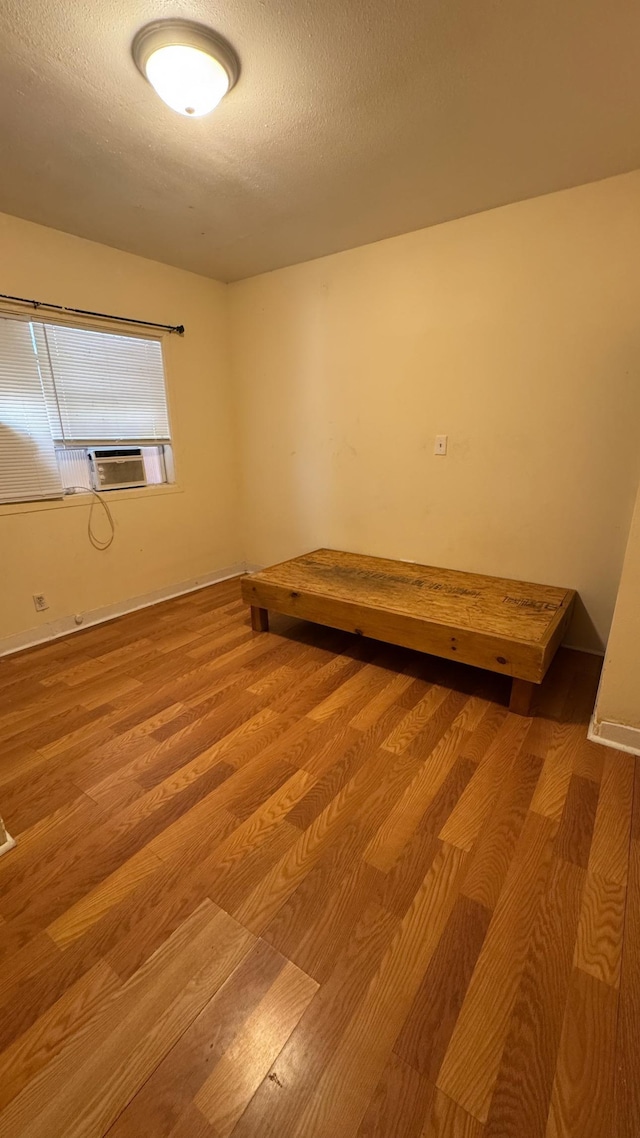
point(8, 844)
point(53, 630)
point(6, 841)
point(66, 624)
point(617, 735)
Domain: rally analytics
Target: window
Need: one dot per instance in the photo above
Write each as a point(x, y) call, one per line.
point(28, 467)
point(74, 403)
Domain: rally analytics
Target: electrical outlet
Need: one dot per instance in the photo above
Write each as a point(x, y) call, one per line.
point(40, 602)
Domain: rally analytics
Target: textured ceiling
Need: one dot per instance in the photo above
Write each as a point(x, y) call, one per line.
point(352, 120)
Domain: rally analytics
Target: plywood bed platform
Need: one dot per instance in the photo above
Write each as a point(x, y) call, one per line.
point(512, 627)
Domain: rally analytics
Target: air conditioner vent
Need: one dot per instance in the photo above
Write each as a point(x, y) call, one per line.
point(117, 468)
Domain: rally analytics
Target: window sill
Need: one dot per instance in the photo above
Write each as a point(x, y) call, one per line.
point(85, 499)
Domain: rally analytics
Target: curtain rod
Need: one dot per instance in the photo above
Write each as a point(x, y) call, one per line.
point(177, 328)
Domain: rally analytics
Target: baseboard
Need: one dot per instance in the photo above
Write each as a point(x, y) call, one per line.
point(580, 648)
point(66, 624)
point(617, 735)
point(8, 844)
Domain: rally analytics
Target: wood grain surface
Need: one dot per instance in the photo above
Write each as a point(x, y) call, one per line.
point(301, 884)
point(506, 626)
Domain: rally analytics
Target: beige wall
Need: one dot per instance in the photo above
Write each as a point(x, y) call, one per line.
point(619, 695)
point(516, 333)
point(163, 537)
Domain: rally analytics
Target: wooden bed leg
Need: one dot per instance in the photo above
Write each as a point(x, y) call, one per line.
point(259, 619)
point(521, 696)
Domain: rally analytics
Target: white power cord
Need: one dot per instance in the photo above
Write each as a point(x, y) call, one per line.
point(96, 542)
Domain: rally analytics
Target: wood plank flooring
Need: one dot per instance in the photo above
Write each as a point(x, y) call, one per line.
point(301, 884)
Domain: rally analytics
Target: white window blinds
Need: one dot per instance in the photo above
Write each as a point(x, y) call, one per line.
point(28, 467)
point(103, 388)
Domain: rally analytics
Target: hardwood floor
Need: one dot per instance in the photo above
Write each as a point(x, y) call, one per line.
point(299, 884)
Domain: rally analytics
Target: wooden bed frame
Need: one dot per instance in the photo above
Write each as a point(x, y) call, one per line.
point(505, 626)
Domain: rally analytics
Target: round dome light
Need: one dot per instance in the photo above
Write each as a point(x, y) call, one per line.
point(188, 65)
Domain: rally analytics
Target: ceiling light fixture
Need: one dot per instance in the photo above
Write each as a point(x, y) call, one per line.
point(188, 64)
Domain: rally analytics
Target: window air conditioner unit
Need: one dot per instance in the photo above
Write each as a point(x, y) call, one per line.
point(117, 468)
